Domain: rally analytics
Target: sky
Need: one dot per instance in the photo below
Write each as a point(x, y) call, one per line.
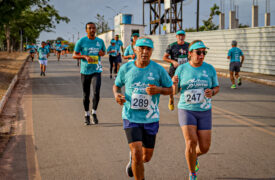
point(82, 11)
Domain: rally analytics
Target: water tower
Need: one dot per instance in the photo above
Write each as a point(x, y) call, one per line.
point(170, 18)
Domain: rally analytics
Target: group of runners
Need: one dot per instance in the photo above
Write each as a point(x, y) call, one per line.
point(144, 81)
point(44, 51)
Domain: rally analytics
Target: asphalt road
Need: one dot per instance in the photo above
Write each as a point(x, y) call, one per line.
point(52, 142)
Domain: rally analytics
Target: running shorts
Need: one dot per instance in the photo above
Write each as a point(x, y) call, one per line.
point(235, 66)
point(144, 132)
point(43, 62)
point(201, 119)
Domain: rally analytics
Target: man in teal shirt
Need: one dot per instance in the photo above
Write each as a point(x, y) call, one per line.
point(90, 49)
point(42, 54)
point(119, 44)
point(129, 51)
point(113, 52)
point(234, 55)
point(144, 82)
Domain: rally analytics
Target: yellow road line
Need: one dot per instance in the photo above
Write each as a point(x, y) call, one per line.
point(243, 120)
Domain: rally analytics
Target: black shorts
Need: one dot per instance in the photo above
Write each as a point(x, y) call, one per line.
point(171, 71)
point(119, 60)
point(146, 133)
point(235, 67)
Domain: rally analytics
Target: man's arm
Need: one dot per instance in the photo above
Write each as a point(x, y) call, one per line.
point(167, 59)
point(120, 99)
point(175, 86)
point(77, 56)
point(152, 90)
point(242, 60)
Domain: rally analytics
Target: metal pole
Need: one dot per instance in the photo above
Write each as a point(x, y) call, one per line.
point(143, 12)
point(159, 17)
point(198, 14)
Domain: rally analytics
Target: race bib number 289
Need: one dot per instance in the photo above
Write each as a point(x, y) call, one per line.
point(141, 101)
point(194, 96)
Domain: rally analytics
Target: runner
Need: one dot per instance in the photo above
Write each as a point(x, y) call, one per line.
point(129, 53)
point(58, 48)
point(144, 81)
point(120, 46)
point(90, 49)
point(235, 65)
point(42, 53)
point(48, 46)
point(32, 49)
point(198, 83)
point(176, 54)
point(113, 53)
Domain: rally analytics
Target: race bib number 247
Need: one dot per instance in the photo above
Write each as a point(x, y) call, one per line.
point(194, 96)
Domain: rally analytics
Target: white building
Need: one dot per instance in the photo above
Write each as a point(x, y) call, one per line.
point(124, 28)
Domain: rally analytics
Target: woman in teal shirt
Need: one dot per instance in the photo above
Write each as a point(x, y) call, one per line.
point(197, 82)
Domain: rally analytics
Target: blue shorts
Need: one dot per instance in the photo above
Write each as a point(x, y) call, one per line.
point(144, 132)
point(150, 128)
point(201, 119)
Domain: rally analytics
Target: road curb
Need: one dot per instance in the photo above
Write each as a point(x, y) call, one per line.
point(227, 75)
point(244, 77)
point(11, 86)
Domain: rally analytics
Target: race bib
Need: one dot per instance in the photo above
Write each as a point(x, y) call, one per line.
point(44, 56)
point(141, 101)
point(95, 60)
point(194, 96)
point(182, 60)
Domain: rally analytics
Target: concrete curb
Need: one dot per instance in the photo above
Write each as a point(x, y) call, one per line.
point(248, 78)
point(11, 86)
point(226, 75)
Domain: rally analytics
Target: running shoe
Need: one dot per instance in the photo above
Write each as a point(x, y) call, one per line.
point(239, 81)
point(193, 176)
point(95, 120)
point(44, 74)
point(111, 76)
point(171, 105)
point(87, 120)
point(129, 171)
point(233, 86)
point(197, 165)
point(41, 73)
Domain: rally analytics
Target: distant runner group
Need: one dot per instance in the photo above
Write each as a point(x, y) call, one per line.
point(144, 81)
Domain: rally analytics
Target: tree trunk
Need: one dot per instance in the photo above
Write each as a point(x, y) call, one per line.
point(7, 32)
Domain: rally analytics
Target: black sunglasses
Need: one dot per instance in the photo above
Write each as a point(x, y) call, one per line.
point(201, 52)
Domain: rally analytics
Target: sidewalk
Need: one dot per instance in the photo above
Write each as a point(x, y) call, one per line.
point(254, 77)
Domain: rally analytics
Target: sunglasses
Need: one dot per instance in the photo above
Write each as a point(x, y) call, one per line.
point(201, 52)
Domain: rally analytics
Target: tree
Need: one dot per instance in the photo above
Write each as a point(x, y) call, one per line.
point(23, 17)
point(101, 24)
point(190, 30)
point(208, 24)
point(60, 39)
point(243, 25)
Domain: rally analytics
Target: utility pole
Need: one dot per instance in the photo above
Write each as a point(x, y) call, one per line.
point(198, 14)
point(21, 40)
